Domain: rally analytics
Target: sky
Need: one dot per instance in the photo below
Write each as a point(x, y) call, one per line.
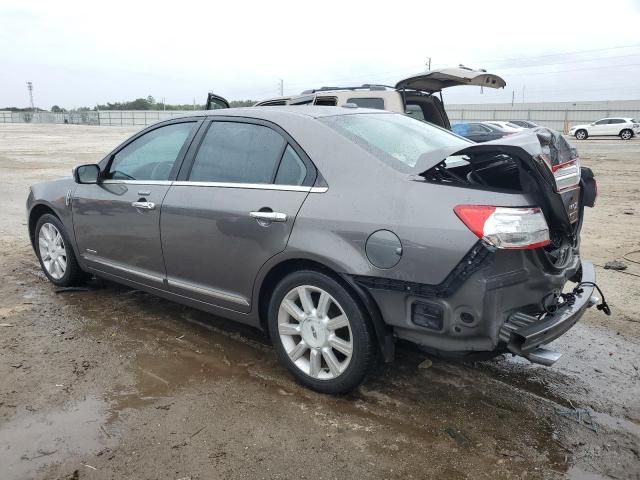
point(86, 53)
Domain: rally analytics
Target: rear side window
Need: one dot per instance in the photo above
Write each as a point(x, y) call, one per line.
point(617, 120)
point(478, 129)
point(234, 152)
point(292, 170)
point(326, 101)
point(415, 111)
point(377, 103)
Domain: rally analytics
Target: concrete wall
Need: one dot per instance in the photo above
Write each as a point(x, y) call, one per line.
point(557, 115)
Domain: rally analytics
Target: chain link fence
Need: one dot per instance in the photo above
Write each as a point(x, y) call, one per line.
point(558, 116)
point(107, 117)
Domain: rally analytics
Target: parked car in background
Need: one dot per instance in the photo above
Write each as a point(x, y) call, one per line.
point(509, 126)
point(482, 131)
point(623, 127)
point(524, 123)
point(247, 214)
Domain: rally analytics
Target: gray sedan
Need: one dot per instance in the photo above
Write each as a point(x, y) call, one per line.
point(335, 230)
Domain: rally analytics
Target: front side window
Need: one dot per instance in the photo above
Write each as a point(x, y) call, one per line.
point(234, 152)
point(151, 156)
point(602, 122)
point(377, 103)
point(617, 120)
point(398, 140)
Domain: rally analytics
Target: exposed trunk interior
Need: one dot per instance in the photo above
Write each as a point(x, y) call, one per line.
point(511, 169)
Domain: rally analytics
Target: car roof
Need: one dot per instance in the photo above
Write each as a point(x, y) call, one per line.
point(268, 111)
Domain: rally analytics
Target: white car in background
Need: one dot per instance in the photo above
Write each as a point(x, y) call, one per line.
point(508, 126)
point(625, 128)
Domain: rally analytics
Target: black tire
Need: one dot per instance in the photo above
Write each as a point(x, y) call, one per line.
point(73, 274)
point(365, 350)
point(626, 134)
point(581, 134)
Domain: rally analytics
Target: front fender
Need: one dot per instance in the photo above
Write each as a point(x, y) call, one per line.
point(53, 196)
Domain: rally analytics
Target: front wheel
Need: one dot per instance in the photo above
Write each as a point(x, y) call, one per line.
point(55, 253)
point(626, 134)
point(582, 135)
point(320, 332)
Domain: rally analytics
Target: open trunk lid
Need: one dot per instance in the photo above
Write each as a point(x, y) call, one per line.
point(540, 163)
point(436, 80)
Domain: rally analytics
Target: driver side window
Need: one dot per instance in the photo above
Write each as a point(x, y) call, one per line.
point(151, 156)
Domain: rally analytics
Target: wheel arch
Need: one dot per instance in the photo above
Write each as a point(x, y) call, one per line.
point(277, 272)
point(37, 211)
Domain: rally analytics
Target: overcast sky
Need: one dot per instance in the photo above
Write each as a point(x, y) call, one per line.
point(84, 53)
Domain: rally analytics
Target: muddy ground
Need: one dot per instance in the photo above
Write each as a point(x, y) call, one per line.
point(115, 383)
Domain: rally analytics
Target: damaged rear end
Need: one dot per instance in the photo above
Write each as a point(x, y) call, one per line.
point(532, 286)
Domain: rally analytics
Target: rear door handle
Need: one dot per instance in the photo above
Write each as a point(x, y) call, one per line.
point(144, 205)
point(269, 216)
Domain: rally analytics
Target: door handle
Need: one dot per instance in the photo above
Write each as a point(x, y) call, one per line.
point(144, 205)
point(269, 216)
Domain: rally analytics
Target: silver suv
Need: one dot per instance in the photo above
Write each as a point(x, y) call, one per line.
point(419, 96)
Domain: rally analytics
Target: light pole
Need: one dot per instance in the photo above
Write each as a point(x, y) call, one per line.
point(30, 88)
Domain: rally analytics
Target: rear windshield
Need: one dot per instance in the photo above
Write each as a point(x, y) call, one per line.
point(397, 140)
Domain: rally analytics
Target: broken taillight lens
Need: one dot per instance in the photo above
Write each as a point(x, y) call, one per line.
point(567, 174)
point(506, 227)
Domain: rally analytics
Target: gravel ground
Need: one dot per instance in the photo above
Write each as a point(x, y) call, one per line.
point(114, 383)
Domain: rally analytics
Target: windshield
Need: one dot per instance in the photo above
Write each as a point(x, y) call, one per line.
point(397, 140)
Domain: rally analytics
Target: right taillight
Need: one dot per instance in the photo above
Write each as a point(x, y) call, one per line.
point(567, 175)
point(506, 227)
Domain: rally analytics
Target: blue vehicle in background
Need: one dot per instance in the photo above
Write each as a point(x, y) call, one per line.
point(483, 131)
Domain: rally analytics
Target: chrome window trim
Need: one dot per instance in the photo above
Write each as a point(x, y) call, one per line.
point(252, 186)
point(187, 183)
point(230, 297)
point(116, 266)
point(138, 182)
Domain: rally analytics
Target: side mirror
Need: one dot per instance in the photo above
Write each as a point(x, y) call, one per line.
point(87, 173)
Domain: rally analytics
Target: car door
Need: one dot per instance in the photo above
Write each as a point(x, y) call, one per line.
point(232, 209)
point(215, 102)
point(601, 127)
point(614, 126)
point(116, 221)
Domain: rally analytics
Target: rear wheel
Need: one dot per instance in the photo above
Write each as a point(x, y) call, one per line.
point(582, 135)
point(320, 332)
point(55, 253)
point(626, 134)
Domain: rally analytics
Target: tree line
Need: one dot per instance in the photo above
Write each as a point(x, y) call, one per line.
point(148, 103)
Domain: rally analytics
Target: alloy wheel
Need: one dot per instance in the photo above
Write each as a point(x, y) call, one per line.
point(315, 332)
point(626, 135)
point(52, 250)
point(581, 135)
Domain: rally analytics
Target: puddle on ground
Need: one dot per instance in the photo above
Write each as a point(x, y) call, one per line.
point(172, 349)
point(28, 442)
